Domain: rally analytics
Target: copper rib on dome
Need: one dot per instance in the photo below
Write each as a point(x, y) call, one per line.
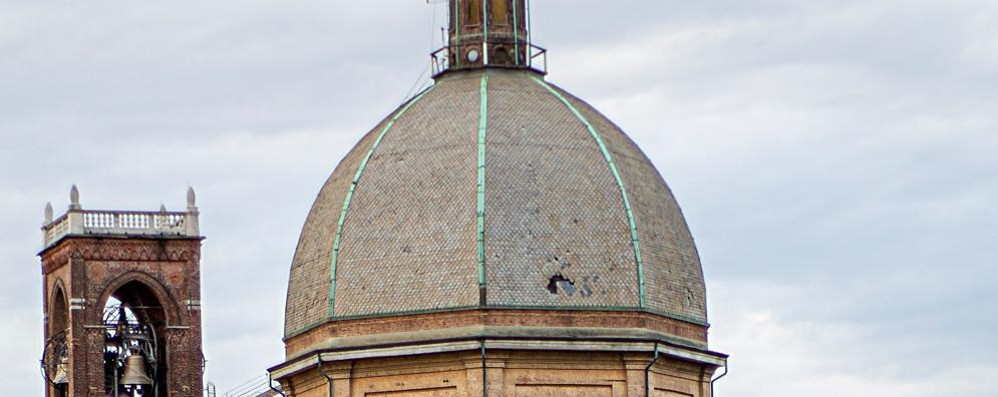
point(620, 184)
point(349, 197)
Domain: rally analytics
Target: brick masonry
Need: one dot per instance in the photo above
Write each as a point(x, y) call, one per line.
point(507, 373)
point(91, 269)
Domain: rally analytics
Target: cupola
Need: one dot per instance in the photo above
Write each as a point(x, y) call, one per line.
point(488, 34)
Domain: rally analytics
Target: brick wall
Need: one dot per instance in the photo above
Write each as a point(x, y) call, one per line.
point(93, 268)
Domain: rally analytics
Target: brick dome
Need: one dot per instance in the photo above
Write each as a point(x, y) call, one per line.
point(496, 190)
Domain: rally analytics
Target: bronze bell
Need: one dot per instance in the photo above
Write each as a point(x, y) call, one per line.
point(61, 373)
point(121, 393)
point(135, 371)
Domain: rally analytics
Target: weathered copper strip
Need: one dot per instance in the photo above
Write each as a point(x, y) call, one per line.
point(620, 183)
point(349, 198)
point(483, 123)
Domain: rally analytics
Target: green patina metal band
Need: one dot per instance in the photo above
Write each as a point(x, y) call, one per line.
point(483, 123)
point(620, 183)
point(349, 197)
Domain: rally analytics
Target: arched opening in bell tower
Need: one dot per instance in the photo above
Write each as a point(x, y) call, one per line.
point(55, 360)
point(135, 347)
point(58, 312)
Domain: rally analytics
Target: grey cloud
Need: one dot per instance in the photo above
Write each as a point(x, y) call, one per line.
point(834, 159)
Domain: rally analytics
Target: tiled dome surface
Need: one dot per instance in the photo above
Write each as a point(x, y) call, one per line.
point(556, 230)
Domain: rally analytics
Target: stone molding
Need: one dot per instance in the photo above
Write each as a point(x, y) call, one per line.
point(679, 332)
point(682, 354)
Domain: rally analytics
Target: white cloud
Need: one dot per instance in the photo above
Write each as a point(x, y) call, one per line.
point(779, 355)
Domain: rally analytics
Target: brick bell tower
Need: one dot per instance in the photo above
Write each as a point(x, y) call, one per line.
point(122, 305)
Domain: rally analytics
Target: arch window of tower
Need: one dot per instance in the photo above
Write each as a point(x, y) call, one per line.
point(56, 361)
point(135, 345)
point(58, 312)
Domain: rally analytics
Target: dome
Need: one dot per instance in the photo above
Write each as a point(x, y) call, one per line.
point(493, 189)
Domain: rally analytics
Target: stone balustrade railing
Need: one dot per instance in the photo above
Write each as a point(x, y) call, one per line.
point(80, 222)
point(123, 223)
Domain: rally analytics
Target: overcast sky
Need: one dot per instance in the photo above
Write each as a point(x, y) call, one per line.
point(836, 160)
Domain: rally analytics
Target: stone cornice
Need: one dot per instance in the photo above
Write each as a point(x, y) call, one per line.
point(546, 323)
point(474, 338)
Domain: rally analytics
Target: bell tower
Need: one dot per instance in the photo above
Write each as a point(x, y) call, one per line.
point(122, 304)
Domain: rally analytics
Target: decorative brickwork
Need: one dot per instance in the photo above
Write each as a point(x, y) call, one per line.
point(89, 270)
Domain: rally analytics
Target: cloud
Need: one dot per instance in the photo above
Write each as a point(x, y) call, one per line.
point(780, 355)
point(835, 160)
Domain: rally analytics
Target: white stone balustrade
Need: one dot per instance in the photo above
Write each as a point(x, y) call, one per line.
point(80, 222)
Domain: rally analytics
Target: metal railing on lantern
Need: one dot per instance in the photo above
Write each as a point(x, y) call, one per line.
point(495, 54)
